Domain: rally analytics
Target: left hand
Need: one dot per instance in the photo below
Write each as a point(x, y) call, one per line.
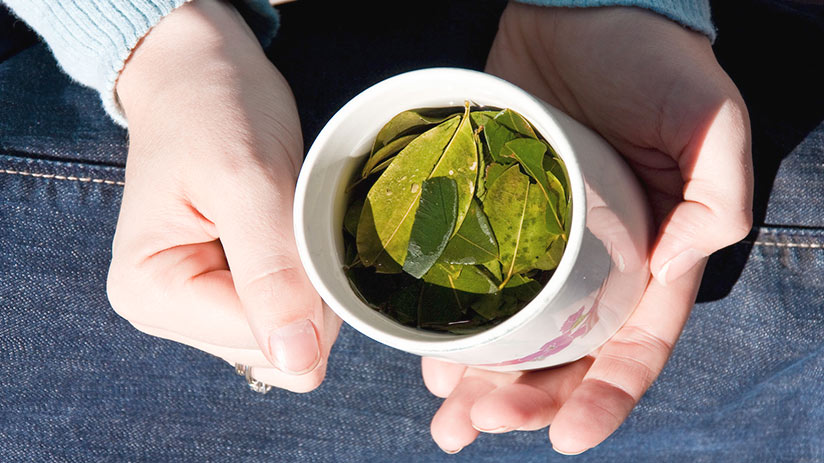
point(654, 90)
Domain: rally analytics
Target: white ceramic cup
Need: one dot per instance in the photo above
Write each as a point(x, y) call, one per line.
point(600, 277)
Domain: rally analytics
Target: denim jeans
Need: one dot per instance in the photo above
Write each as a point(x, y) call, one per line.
point(78, 383)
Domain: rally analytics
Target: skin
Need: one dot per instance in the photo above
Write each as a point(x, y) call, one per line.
point(204, 252)
point(655, 91)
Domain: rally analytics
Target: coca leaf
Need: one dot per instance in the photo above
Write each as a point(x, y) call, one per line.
point(474, 243)
point(496, 135)
point(404, 123)
point(552, 256)
point(433, 226)
point(352, 216)
point(530, 155)
point(461, 278)
point(440, 306)
point(496, 307)
point(493, 171)
point(480, 118)
point(404, 305)
point(480, 185)
point(523, 288)
point(460, 163)
point(389, 209)
point(516, 123)
point(517, 213)
point(385, 153)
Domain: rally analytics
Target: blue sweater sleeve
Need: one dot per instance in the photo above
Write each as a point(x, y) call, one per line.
point(91, 39)
point(694, 14)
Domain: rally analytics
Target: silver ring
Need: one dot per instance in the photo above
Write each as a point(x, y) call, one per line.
point(254, 384)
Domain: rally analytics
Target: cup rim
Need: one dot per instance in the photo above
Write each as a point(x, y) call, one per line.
point(547, 125)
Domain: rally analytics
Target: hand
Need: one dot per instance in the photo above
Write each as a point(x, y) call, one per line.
point(204, 252)
point(655, 91)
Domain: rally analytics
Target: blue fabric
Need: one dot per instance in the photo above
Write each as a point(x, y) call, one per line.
point(77, 383)
point(694, 14)
point(92, 39)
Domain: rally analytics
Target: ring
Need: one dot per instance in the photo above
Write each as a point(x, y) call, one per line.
point(254, 384)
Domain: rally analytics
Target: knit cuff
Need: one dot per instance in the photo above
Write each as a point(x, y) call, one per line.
point(92, 39)
point(694, 14)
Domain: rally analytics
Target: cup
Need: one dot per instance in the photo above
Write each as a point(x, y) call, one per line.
point(598, 282)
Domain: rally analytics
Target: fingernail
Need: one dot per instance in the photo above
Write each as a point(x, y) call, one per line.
point(679, 265)
point(498, 430)
point(452, 452)
point(569, 453)
point(295, 347)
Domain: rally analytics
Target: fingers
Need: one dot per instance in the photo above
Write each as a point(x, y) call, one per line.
point(626, 366)
point(186, 291)
point(441, 377)
point(244, 291)
point(531, 402)
point(716, 169)
point(451, 426)
point(255, 225)
point(275, 377)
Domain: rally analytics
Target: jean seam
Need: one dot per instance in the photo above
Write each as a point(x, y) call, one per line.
point(70, 178)
point(780, 244)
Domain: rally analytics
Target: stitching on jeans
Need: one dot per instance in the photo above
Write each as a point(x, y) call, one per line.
point(786, 245)
point(63, 177)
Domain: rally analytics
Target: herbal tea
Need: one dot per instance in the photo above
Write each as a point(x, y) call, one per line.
point(457, 219)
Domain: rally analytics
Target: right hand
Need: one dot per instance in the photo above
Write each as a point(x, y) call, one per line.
point(204, 252)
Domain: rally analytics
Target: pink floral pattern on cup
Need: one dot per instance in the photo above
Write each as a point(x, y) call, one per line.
point(576, 325)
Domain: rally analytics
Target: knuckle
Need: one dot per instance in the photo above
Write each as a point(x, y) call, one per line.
point(118, 292)
point(738, 225)
point(283, 273)
point(309, 384)
point(632, 360)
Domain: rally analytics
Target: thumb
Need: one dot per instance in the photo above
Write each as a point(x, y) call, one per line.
point(284, 312)
point(717, 208)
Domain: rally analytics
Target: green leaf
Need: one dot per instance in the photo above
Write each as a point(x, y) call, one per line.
point(433, 226)
point(350, 254)
point(552, 256)
point(441, 306)
point(516, 123)
point(373, 288)
point(561, 204)
point(460, 163)
point(389, 210)
point(480, 185)
point(488, 306)
point(385, 153)
point(523, 288)
point(461, 278)
point(474, 243)
point(404, 304)
point(494, 267)
point(555, 165)
point(480, 118)
point(493, 171)
point(517, 214)
point(530, 154)
point(405, 122)
point(496, 135)
point(352, 216)
point(496, 306)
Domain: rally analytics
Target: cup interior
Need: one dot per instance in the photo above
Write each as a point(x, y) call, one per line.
point(341, 148)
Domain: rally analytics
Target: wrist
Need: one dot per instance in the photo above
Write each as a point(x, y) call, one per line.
point(202, 42)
